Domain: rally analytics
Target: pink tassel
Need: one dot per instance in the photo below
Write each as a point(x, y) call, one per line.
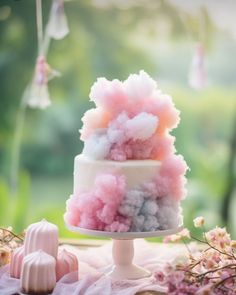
point(38, 92)
point(197, 77)
point(57, 26)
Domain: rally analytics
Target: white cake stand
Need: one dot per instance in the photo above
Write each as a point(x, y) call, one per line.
point(123, 250)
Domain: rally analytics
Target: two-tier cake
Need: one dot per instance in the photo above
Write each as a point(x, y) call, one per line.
point(128, 177)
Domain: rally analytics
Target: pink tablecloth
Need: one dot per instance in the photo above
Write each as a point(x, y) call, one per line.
point(93, 262)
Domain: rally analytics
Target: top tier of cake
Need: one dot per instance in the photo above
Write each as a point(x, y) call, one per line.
point(131, 120)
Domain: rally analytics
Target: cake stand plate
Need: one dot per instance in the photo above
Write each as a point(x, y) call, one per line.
point(123, 250)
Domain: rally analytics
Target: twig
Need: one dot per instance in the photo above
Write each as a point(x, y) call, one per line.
point(10, 232)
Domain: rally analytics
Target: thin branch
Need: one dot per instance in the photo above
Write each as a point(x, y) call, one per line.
point(13, 234)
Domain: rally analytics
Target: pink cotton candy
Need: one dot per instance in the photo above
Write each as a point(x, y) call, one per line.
point(136, 95)
point(162, 146)
point(98, 207)
point(173, 166)
point(163, 107)
point(120, 224)
point(109, 95)
point(72, 215)
point(154, 148)
point(92, 120)
point(171, 180)
point(107, 185)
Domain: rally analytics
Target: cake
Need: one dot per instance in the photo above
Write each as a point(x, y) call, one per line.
point(128, 177)
point(38, 274)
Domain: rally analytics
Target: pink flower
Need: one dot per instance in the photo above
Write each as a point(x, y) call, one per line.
point(159, 276)
point(219, 238)
point(199, 221)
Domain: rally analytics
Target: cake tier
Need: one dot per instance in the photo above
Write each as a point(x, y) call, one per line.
point(136, 172)
point(132, 195)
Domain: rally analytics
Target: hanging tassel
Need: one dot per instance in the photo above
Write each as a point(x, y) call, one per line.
point(197, 76)
point(38, 95)
point(57, 27)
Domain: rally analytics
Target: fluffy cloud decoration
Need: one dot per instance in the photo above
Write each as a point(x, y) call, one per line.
point(128, 138)
point(96, 209)
point(132, 113)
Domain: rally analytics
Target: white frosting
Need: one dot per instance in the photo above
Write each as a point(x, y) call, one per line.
point(38, 273)
point(42, 235)
point(135, 171)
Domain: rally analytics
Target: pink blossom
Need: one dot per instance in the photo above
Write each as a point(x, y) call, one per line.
point(199, 221)
point(159, 276)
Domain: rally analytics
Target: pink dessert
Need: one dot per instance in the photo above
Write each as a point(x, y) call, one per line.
point(38, 274)
point(66, 262)
point(17, 256)
point(42, 235)
point(128, 177)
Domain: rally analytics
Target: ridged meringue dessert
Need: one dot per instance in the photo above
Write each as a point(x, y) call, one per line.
point(42, 235)
point(128, 177)
point(38, 263)
point(38, 274)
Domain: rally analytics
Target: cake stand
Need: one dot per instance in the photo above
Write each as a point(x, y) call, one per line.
point(123, 250)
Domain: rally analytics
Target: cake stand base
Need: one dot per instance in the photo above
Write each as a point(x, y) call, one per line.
point(123, 253)
point(123, 267)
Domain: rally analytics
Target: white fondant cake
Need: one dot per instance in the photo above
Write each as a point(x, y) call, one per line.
point(128, 177)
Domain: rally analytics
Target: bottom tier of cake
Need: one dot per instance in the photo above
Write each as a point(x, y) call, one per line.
point(129, 196)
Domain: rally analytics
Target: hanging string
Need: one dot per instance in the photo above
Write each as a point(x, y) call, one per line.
point(39, 23)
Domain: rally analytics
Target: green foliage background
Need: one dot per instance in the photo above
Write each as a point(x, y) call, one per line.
point(111, 41)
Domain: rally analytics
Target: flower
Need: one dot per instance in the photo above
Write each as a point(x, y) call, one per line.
point(209, 270)
point(219, 238)
point(177, 237)
point(199, 221)
point(159, 276)
point(4, 255)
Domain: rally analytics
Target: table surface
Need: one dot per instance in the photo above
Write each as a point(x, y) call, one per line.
point(86, 243)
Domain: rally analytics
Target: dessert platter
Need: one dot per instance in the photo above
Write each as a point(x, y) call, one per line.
point(128, 181)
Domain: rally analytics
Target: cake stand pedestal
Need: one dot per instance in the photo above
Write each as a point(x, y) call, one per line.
point(123, 250)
